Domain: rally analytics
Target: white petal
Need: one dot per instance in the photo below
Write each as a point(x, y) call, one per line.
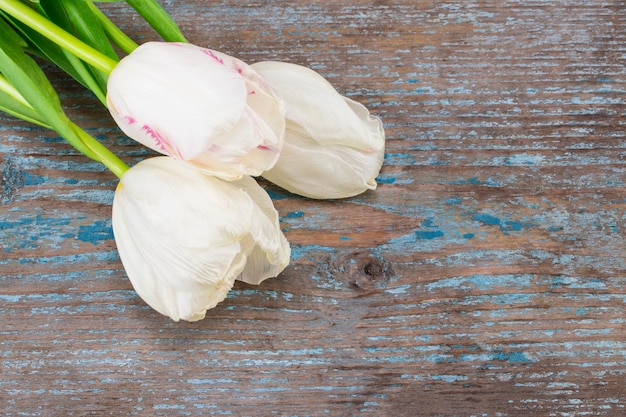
point(163, 243)
point(271, 252)
point(176, 94)
point(330, 172)
point(316, 110)
point(184, 237)
point(249, 148)
point(333, 147)
point(198, 105)
point(169, 283)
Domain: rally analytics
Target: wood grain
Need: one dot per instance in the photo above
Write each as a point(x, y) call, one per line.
point(486, 276)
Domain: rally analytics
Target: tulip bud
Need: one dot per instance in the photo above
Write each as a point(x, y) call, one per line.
point(333, 147)
point(198, 105)
point(184, 236)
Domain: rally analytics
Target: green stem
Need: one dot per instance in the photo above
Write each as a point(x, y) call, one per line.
point(114, 33)
point(101, 152)
point(94, 149)
point(159, 19)
point(45, 27)
point(86, 77)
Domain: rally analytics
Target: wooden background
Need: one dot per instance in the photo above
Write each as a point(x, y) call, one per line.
point(486, 276)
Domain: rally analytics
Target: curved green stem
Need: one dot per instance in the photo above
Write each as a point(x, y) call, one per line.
point(86, 77)
point(122, 40)
point(45, 27)
point(86, 143)
point(102, 153)
point(159, 19)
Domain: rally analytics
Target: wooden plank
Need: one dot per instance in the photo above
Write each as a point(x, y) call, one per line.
point(485, 276)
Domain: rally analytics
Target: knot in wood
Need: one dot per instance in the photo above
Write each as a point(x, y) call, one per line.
point(362, 270)
point(374, 269)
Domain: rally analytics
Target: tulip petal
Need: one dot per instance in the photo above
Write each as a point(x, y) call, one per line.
point(272, 251)
point(184, 237)
point(180, 100)
point(198, 105)
point(168, 261)
point(323, 172)
point(250, 147)
point(333, 147)
point(315, 109)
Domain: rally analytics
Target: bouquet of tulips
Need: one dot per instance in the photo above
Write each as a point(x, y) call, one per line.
point(189, 223)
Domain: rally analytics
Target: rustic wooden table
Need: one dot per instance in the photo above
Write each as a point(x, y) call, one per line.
point(486, 276)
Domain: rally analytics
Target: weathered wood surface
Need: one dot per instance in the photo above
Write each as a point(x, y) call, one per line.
point(485, 276)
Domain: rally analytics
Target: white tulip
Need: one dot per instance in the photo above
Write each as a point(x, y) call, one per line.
point(333, 147)
point(198, 105)
point(184, 236)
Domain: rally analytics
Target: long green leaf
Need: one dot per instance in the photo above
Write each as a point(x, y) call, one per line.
point(87, 25)
point(30, 81)
point(115, 34)
point(21, 113)
point(9, 105)
point(76, 17)
point(39, 22)
point(12, 102)
point(44, 48)
point(159, 19)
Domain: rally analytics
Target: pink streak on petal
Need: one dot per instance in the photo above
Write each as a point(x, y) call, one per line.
point(213, 56)
point(161, 142)
point(265, 148)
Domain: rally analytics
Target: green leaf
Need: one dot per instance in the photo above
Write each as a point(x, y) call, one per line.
point(115, 34)
point(77, 17)
point(159, 19)
point(26, 76)
point(13, 37)
point(16, 109)
point(40, 23)
point(81, 17)
point(12, 102)
point(44, 48)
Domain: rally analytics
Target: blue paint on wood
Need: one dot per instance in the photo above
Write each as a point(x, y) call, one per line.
point(428, 234)
point(293, 215)
point(505, 225)
point(476, 181)
point(277, 195)
point(511, 357)
point(487, 219)
point(385, 179)
point(484, 282)
point(299, 252)
point(524, 159)
point(96, 233)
